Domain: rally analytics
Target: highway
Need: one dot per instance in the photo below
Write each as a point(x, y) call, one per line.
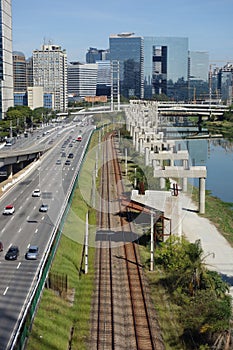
point(27, 226)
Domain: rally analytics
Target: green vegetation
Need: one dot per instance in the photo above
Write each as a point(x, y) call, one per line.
point(64, 318)
point(222, 124)
point(224, 218)
point(21, 118)
point(194, 309)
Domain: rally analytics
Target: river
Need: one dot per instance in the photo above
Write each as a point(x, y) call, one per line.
point(217, 156)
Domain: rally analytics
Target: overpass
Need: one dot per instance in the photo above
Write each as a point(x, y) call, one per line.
point(184, 109)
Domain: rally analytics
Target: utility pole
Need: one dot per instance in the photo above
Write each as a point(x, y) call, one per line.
point(86, 245)
point(152, 242)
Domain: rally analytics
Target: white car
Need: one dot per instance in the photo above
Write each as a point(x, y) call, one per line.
point(32, 252)
point(36, 193)
point(9, 210)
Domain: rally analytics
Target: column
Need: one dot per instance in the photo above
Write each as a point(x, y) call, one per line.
point(202, 195)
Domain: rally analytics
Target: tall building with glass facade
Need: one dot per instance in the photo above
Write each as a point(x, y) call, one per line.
point(166, 66)
point(50, 71)
point(6, 65)
point(127, 49)
point(19, 72)
point(93, 54)
point(198, 75)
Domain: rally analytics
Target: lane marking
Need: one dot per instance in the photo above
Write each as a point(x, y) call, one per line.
point(5, 291)
point(18, 266)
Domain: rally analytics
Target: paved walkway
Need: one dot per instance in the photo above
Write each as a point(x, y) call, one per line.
point(218, 252)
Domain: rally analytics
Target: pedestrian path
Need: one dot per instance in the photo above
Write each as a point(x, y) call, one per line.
point(218, 252)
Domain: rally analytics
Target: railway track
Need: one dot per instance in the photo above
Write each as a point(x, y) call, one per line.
point(123, 317)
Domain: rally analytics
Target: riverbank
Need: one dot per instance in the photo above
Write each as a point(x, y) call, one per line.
point(219, 213)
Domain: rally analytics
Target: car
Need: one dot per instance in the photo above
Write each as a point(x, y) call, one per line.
point(32, 253)
point(63, 154)
point(1, 246)
point(9, 210)
point(67, 162)
point(58, 162)
point(36, 193)
point(71, 155)
point(12, 253)
point(44, 208)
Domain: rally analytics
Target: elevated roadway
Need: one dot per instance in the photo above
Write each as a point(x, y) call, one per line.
point(29, 226)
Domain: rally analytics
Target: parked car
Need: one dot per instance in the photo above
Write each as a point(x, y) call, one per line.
point(1, 246)
point(32, 252)
point(71, 155)
point(44, 208)
point(9, 210)
point(67, 162)
point(12, 253)
point(36, 193)
point(58, 162)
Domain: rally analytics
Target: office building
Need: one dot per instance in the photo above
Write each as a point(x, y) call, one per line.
point(198, 73)
point(93, 54)
point(50, 72)
point(127, 49)
point(103, 87)
point(19, 72)
point(82, 79)
point(225, 83)
point(6, 64)
point(35, 97)
point(166, 66)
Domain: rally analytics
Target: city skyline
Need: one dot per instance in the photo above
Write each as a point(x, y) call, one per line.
point(76, 27)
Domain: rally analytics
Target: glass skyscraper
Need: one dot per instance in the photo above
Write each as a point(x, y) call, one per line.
point(6, 65)
point(166, 66)
point(127, 49)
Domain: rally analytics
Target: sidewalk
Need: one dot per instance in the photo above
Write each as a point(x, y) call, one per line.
point(218, 252)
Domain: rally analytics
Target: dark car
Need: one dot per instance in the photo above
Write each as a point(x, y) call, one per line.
point(44, 208)
point(12, 253)
point(71, 155)
point(67, 162)
point(1, 246)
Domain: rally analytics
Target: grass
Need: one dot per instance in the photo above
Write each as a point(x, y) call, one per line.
point(56, 316)
point(219, 213)
point(166, 310)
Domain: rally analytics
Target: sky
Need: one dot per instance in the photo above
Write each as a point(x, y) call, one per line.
point(77, 25)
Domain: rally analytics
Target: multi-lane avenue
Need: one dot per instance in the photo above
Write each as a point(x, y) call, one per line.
point(28, 226)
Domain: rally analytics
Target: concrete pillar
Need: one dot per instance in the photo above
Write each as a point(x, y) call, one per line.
point(140, 145)
point(162, 183)
point(10, 171)
point(147, 156)
point(136, 141)
point(184, 184)
point(202, 195)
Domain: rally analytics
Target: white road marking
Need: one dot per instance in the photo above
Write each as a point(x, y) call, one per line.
point(5, 291)
point(18, 265)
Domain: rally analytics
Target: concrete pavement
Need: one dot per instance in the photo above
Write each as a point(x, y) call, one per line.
point(218, 252)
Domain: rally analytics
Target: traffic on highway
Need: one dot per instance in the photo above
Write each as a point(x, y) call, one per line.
point(31, 212)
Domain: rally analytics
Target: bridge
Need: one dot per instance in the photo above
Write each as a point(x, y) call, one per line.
point(183, 109)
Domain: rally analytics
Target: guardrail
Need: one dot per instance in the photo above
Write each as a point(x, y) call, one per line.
point(21, 331)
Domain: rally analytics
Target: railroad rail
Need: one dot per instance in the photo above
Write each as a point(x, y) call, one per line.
point(122, 312)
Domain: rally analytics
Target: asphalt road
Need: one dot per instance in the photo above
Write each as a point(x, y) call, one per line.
point(29, 226)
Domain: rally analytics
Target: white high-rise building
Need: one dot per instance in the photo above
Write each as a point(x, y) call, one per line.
point(6, 62)
point(82, 79)
point(50, 71)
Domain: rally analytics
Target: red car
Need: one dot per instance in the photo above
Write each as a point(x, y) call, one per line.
point(9, 210)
